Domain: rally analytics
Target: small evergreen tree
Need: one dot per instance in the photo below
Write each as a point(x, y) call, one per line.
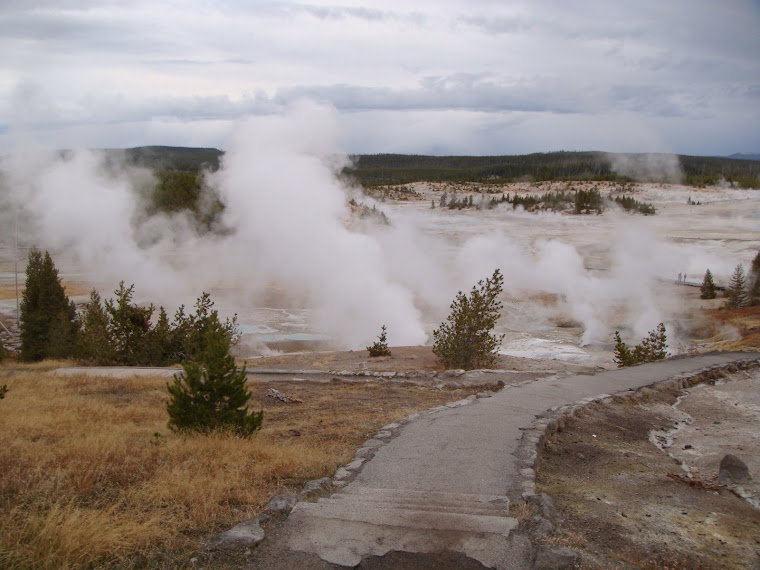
point(3, 391)
point(465, 340)
point(652, 348)
point(737, 289)
point(754, 281)
point(159, 340)
point(708, 288)
point(623, 356)
point(380, 348)
point(212, 397)
point(195, 327)
point(47, 319)
point(128, 325)
point(95, 344)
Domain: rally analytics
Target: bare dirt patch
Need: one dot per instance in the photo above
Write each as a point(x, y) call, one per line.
point(406, 359)
point(610, 482)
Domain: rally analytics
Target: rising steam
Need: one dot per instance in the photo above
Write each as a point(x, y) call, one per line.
point(288, 233)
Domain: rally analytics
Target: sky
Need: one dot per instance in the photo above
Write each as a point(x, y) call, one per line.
point(418, 76)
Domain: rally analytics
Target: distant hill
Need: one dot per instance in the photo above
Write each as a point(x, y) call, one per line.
point(746, 155)
point(169, 157)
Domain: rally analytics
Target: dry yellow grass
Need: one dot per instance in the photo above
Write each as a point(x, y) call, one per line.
point(91, 476)
point(744, 323)
point(72, 288)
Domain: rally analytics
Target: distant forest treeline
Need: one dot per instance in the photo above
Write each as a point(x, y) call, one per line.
point(389, 169)
point(170, 157)
point(383, 169)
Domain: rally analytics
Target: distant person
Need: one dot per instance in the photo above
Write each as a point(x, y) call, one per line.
point(680, 277)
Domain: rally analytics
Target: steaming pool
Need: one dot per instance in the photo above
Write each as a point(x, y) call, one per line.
point(552, 296)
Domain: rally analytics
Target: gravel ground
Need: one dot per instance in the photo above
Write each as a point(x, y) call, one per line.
point(607, 472)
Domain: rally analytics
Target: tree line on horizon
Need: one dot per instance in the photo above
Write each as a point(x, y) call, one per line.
point(390, 168)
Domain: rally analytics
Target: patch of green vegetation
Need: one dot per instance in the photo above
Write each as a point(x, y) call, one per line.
point(580, 201)
point(178, 191)
point(652, 348)
point(629, 204)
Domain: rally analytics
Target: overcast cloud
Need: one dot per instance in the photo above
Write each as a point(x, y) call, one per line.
point(443, 76)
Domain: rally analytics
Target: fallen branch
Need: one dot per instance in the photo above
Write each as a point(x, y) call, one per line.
point(277, 395)
point(694, 482)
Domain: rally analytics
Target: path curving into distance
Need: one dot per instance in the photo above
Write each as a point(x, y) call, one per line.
point(440, 491)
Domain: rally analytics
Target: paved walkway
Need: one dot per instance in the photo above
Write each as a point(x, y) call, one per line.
point(116, 371)
point(443, 486)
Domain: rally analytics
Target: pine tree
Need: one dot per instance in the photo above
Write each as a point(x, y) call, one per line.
point(708, 288)
point(157, 342)
point(652, 348)
point(754, 281)
point(465, 339)
point(128, 326)
point(212, 398)
point(380, 348)
point(195, 326)
point(622, 353)
point(47, 320)
point(95, 344)
point(737, 289)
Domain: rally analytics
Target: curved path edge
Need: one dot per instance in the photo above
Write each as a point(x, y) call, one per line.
point(442, 481)
point(528, 452)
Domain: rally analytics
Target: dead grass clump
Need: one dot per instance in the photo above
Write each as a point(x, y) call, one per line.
point(91, 476)
point(744, 323)
point(72, 289)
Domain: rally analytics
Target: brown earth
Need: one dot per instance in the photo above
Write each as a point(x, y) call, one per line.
point(611, 485)
point(403, 359)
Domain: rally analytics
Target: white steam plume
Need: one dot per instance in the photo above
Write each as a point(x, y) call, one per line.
point(284, 206)
point(648, 167)
point(288, 208)
point(289, 231)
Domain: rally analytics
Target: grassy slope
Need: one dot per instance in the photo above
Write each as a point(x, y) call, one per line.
point(90, 475)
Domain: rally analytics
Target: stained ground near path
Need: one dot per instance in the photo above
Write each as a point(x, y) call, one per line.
point(617, 504)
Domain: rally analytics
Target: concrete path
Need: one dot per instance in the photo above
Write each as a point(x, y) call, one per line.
point(116, 371)
point(445, 483)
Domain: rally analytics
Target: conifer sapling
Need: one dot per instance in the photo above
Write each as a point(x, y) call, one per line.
point(213, 397)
